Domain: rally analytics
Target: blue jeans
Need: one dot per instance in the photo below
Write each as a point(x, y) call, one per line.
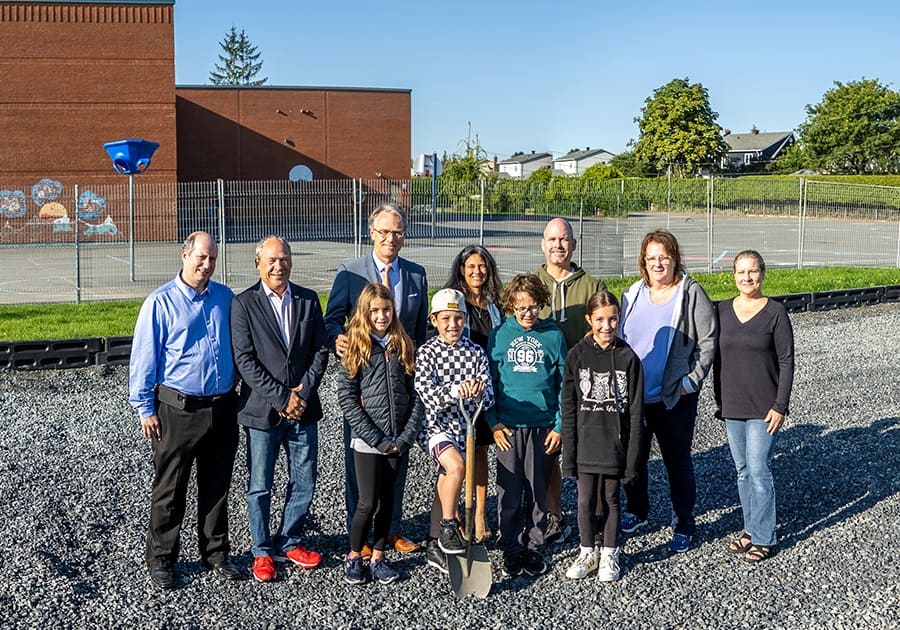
point(751, 448)
point(301, 446)
point(351, 490)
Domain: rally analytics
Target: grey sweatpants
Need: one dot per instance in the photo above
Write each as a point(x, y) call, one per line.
point(522, 474)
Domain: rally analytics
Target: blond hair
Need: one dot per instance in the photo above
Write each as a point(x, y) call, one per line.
point(359, 333)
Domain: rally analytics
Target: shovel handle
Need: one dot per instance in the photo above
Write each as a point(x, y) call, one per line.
point(470, 466)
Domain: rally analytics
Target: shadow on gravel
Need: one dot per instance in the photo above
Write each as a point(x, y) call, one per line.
point(822, 478)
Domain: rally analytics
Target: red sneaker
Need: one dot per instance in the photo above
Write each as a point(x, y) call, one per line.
point(264, 569)
point(303, 557)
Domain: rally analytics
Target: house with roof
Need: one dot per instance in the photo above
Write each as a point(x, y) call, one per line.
point(755, 147)
point(523, 165)
point(577, 162)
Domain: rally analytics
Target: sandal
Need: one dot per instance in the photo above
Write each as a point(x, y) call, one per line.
point(741, 544)
point(757, 554)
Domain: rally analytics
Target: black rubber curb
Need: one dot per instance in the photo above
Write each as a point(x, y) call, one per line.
point(100, 351)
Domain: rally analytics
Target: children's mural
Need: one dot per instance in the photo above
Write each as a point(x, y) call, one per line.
point(52, 212)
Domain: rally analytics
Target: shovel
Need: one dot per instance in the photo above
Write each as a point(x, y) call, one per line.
point(470, 574)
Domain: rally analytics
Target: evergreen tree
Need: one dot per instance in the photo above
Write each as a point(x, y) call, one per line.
point(239, 62)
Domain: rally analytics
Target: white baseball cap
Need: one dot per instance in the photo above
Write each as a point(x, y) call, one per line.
point(448, 300)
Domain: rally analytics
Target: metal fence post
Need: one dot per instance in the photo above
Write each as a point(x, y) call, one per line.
point(481, 218)
point(668, 196)
point(709, 223)
point(357, 216)
point(77, 253)
point(131, 223)
point(580, 228)
point(433, 196)
point(220, 220)
point(898, 239)
point(800, 217)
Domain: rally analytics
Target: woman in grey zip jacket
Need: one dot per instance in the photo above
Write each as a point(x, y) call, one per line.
point(670, 322)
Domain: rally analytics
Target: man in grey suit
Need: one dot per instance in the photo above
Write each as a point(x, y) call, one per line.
point(281, 352)
point(387, 227)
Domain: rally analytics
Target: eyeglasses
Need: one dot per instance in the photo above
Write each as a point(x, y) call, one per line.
point(534, 309)
point(662, 260)
point(386, 233)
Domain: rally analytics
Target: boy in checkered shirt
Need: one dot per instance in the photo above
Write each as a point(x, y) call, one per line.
point(449, 368)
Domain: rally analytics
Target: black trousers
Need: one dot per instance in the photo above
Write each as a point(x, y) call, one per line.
point(674, 431)
point(598, 510)
point(207, 435)
point(376, 476)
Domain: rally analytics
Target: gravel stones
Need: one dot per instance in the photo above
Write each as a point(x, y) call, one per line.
point(75, 476)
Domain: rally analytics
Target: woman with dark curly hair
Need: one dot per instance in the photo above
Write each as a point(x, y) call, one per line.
point(474, 274)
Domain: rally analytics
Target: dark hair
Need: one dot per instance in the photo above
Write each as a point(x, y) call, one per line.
point(525, 283)
point(669, 243)
point(457, 279)
point(601, 299)
point(750, 253)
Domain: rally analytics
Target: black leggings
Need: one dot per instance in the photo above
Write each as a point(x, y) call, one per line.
point(375, 476)
point(598, 507)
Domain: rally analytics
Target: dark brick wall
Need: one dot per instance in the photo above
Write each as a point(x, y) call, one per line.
point(260, 133)
point(76, 76)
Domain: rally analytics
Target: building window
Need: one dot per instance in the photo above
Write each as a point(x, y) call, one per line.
point(748, 157)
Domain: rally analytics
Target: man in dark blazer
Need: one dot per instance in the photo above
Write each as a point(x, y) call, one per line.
point(281, 352)
point(387, 227)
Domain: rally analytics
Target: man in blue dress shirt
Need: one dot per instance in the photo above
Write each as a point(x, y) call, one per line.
point(181, 383)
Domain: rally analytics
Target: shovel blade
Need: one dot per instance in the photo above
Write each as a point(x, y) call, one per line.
point(470, 574)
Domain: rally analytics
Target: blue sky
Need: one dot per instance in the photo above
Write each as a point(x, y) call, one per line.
point(552, 76)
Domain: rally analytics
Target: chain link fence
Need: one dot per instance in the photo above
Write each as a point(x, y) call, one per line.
point(60, 243)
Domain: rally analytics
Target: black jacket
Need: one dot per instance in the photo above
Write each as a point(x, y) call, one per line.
point(381, 403)
point(268, 369)
point(602, 416)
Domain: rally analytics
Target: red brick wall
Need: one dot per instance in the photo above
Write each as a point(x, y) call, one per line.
point(260, 133)
point(78, 75)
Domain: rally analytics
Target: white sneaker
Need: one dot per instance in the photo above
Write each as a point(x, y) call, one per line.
point(586, 562)
point(608, 569)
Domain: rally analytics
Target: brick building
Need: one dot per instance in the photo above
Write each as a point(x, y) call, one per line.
point(260, 133)
point(78, 74)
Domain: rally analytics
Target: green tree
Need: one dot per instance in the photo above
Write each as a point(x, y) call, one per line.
point(790, 160)
point(239, 61)
point(855, 128)
point(678, 129)
point(541, 176)
point(629, 166)
point(600, 173)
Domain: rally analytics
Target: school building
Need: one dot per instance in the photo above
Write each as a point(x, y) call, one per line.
point(78, 74)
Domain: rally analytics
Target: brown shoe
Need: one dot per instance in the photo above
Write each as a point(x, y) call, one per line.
point(366, 552)
point(402, 544)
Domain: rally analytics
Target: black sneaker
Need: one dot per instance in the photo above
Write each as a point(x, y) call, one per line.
point(163, 577)
point(557, 529)
point(512, 563)
point(450, 540)
point(435, 557)
point(533, 562)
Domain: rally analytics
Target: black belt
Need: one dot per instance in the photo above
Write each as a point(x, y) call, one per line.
point(181, 400)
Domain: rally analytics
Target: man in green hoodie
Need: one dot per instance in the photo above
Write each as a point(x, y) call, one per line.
point(570, 288)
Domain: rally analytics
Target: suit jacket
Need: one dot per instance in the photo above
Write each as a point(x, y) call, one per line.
point(268, 369)
point(353, 275)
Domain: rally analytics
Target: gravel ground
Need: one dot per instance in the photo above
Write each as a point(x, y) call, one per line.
point(75, 476)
